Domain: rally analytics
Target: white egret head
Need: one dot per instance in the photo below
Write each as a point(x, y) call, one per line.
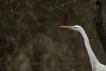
point(96, 65)
point(75, 27)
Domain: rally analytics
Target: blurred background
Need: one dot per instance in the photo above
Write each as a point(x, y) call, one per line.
point(31, 39)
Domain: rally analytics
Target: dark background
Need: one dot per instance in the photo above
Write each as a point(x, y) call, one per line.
point(31, 39)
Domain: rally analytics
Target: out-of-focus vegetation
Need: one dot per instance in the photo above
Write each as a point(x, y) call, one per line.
point(31, 40)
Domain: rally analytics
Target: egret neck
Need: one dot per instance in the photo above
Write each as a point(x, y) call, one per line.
point(94, 61)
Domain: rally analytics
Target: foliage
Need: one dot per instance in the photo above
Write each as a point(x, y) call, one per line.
point(30, 37)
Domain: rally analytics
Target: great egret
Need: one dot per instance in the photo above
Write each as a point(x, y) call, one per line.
point(96, 65)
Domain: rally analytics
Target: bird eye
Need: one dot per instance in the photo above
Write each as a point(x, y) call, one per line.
point(75, 27)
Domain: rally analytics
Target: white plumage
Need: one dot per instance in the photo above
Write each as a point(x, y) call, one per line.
point(96, 65)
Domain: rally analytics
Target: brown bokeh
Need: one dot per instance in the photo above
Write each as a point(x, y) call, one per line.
point(31, 39)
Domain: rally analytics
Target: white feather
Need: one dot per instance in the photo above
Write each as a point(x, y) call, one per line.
point(96, 65)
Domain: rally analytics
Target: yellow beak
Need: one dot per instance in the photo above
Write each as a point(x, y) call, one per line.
point(68, 27)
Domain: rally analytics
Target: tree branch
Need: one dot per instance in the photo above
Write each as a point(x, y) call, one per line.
point(98, 23)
